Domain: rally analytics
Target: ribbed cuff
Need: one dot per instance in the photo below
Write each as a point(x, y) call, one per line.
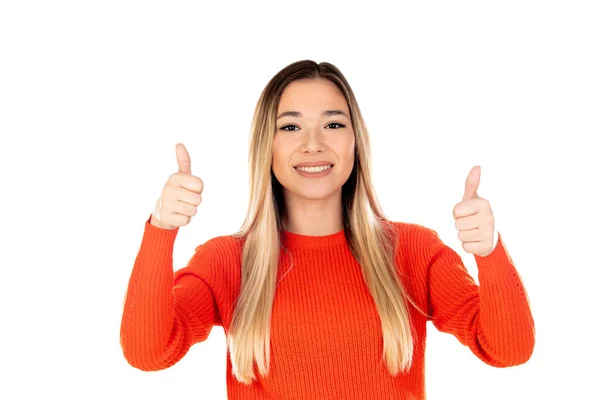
point(163, 237)
point(496, 260)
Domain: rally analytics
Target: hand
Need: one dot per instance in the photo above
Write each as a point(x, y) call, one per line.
point(180, 197)
point(474, 218)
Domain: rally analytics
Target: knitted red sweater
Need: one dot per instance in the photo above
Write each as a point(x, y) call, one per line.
point(326, 340)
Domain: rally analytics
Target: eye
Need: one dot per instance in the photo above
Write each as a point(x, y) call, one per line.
point(288, 126)
point(335, 123)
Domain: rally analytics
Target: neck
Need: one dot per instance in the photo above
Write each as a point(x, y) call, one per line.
point(313, 217)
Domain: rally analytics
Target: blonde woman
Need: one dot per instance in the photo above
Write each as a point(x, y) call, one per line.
point(319, 294)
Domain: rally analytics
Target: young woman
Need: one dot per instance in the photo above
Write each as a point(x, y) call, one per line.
point(319, 294)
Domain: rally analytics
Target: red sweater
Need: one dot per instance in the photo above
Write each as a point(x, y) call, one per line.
point(326, 340)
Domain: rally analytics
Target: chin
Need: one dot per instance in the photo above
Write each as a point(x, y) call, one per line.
point(314, 194)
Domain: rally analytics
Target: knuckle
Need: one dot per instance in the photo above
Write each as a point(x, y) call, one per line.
point(455, 213)
point(198, 183)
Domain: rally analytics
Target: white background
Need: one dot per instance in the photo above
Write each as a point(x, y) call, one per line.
point(94, 97)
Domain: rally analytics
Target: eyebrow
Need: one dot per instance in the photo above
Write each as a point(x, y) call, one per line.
point(326, 113)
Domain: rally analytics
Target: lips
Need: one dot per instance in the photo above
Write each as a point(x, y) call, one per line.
point(313, 164)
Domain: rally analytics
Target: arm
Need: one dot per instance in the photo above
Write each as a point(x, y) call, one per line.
point(165, 313)
point(494, 319)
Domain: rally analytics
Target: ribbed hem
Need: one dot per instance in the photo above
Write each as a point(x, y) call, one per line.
point(294, 240)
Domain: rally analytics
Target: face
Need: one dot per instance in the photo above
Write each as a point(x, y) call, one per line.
point(319, 133)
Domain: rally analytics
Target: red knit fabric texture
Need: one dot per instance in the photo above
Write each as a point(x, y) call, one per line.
point(326, 338)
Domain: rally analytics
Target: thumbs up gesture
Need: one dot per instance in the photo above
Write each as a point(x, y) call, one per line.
point(474, 219)
point(180, 197)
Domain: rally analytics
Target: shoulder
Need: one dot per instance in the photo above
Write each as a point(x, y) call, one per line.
point(410, 232)
point(221, 248)
point(415, 241)
point(215, 260)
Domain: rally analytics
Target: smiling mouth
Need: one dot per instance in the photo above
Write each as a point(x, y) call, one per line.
point(320, 168)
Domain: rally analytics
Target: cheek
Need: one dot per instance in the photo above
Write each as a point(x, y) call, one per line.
point(279, 156)
point(348, 149)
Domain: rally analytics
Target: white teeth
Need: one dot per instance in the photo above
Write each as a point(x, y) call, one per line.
point(314, 169)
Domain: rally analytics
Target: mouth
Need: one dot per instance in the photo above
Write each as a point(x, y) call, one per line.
point(315, 168)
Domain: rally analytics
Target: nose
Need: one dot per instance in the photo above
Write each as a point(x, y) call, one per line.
point(313, 141)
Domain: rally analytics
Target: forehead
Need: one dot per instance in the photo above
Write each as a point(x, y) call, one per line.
point(312, 95)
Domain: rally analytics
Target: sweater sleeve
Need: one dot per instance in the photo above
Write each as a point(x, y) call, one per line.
point(164, 312)
point(493, 319)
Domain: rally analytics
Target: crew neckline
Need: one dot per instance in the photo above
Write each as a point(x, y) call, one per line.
point(295, 240)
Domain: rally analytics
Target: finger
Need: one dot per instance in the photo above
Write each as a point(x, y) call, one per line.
point(183, 159)
point(189, 182)
point(185, 196)
point(471, 235)
point(466, 208)
point(180, 220)
point(467, 223)
point(184, 209)
point(472, 183)
point(471, 247)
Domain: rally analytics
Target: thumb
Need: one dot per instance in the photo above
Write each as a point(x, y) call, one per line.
point(472, 183)
point(183, 159)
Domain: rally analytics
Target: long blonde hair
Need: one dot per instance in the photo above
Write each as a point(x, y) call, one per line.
point(371, 238)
